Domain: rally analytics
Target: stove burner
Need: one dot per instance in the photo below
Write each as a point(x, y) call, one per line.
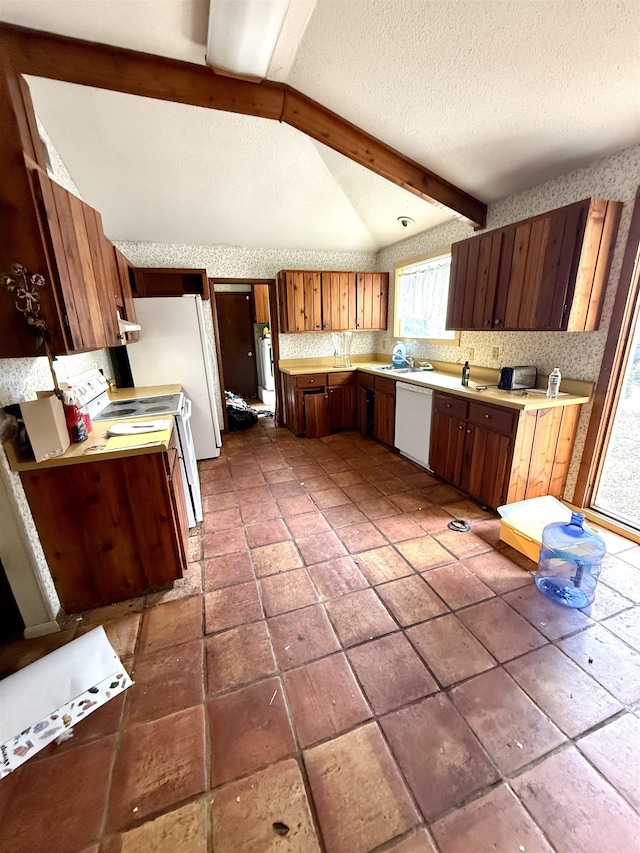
point(121, 412)
point(146, 400)
point(115, 403)
point(149, 409)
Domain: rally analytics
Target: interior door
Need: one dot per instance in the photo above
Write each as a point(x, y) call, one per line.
point(235, 323)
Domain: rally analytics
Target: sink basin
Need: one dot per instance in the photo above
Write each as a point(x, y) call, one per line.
point(393, 369)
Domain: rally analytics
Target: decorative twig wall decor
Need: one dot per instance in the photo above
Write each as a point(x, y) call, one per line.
point(26, 287)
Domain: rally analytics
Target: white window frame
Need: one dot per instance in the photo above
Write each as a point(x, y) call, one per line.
point(398, 269)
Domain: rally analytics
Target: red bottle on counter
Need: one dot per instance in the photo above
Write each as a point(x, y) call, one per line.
point(75, 421)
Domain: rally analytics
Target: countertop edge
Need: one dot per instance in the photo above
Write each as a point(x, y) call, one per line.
point(77, 454)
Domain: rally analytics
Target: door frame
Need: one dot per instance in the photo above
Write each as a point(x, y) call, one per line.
point(625, 314)
point(275, 343)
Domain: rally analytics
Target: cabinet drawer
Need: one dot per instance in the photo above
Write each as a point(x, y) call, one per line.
point(497, 420)
point(388, 386)
point(341, 378)
point(446, 404)
point(311, 380)
point(366, 380)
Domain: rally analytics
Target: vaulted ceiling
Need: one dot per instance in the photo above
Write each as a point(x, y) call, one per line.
point(495, 96)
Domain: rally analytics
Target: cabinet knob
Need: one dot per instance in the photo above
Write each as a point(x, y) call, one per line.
point(487, 417)
point(448, 405)
point(496, 322)
point(469, 431)
point(460, 427)
point(311, 381)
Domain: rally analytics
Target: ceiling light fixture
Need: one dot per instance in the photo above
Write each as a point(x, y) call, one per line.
point(243, 35)
point(406, 221)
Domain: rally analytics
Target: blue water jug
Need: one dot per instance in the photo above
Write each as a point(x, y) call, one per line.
point(570, 562)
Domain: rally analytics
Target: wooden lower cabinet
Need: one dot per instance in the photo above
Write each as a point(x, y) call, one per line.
point(500, 455)
point(376, 407)
point(110, 529)
point(341, 392)
point(318, 404)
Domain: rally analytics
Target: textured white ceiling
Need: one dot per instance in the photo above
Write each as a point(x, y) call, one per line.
point(172, 173)
point(494, 95)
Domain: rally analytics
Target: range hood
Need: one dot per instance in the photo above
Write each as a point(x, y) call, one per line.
point(126, 326)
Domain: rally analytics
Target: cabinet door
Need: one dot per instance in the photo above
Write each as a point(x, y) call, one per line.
point(87, 307)
point(301, 301)
point(261, 300)
point(473, 283)
point(105, 274)
point(385, 417)
point(338, 301)
point(372, 295)
point(342, 408)
point(126, 300)
point(316, 413)
point(447, 447)
point(486, 475)
point(543, 262)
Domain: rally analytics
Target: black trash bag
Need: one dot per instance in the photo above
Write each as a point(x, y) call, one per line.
point(240, 415)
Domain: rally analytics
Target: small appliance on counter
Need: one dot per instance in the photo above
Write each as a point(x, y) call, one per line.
point(517, 378)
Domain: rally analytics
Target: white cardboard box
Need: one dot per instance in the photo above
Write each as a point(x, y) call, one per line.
point(46, 425)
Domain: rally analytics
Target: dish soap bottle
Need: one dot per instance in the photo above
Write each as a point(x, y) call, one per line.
point(399, 358)
point(553, 388)
point(570, 562)
point(465, 373)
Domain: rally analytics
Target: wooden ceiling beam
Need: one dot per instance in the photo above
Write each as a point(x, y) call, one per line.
point(56, 57)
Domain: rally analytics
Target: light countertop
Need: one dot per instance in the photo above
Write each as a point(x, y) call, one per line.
point(95, 447)
point(440, 379)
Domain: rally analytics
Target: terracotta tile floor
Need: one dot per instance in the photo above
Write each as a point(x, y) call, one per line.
point(338, 672)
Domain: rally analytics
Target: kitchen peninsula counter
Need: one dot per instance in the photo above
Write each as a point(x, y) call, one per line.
point(112, 522)
point(95, 447)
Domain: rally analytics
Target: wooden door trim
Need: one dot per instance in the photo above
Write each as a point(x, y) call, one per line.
point(118, 69)
point(275, 343)
point(607, 391)
point(216, 336)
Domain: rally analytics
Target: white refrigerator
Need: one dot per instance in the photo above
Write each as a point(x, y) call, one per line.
point(174, 348)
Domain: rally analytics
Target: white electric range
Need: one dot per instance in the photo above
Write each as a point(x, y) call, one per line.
point(91, 391)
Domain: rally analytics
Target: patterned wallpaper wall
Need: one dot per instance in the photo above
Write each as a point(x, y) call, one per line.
point(578, 355)
point(238, 262)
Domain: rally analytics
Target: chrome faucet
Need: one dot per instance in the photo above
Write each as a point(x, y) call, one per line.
point(408, 360)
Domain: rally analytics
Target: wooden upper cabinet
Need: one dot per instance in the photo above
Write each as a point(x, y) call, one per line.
point(261, 302)
point(338, 301)
point(372, 297)
point(547, 273)
point(124, 296)
point(332, 301)
point(52, 233)
point(167, 281)
point(78, 269)
point(300, 301)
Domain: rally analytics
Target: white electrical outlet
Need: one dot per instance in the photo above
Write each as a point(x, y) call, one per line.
point(472, 353)
point(495, 353)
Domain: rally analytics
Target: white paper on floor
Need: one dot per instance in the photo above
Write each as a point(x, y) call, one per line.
point(48, 697)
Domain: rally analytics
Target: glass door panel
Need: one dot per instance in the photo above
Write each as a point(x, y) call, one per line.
point(618, 493)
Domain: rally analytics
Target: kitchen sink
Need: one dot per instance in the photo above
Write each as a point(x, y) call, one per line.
point(393, 369)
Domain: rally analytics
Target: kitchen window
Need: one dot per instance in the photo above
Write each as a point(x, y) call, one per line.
point(421, 294)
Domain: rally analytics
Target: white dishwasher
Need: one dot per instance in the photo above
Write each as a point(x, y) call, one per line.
point(413, 422)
